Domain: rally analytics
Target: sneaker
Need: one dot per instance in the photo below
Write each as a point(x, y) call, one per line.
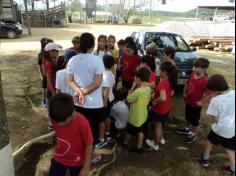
point(100, 144)
point(108, 136)
point(229, 171)
point(151, 144)
point(205, 162)
point(183, 131)
point(190, 138)
point(44, 104)
point(96, 158)
point(138, 150)
point(162, 141)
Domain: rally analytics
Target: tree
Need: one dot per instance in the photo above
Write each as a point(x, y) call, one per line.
point(27, 17)
point(130, 8)
point(6, 159)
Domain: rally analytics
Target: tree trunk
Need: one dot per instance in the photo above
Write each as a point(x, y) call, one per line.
point(27, 17)
point(6, 159)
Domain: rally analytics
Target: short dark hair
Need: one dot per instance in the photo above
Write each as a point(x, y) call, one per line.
point(121, 42)
point(217, 83)
point(202, 63)
point(169, 51)
point(121, 93)
point(87, 41)
point(76, 39)
point(143, 74)
point(61, 106)
point(108, 61)
point(150, 61)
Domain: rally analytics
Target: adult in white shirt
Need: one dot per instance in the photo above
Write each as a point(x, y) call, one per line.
point(84, 76)
point(222, 109)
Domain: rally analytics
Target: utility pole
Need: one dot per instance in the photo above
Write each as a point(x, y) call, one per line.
point(150, 12)
point(27, 17)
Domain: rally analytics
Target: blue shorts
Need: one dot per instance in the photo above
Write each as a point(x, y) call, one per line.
point(159, 118)
point(58, 169)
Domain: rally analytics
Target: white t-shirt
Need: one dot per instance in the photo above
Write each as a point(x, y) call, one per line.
point(84, 67)
point(223, 107)
point(61, 82)
point(101, 53)
point(120, 112)
point(109, 81)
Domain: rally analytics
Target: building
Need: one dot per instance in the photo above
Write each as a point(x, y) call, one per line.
point(8, 10)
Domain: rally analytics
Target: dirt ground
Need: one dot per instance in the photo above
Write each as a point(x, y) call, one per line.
point(27, 120)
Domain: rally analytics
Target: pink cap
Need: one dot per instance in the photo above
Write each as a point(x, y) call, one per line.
point(52, 46)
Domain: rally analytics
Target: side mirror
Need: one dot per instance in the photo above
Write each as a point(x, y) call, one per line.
point(193, 49)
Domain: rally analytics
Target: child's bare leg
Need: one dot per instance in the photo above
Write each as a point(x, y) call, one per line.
point(140, 140)
point(158, 133)
point(108, 125)
point(231, 156)
point(102, 129)
point(127, 138)
point(195, 130)
point(207, 150)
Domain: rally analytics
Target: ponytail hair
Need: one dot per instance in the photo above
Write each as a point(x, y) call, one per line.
point(132, 46)
point(172, 73)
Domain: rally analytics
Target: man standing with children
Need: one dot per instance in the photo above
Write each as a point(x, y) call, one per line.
point(94, 104)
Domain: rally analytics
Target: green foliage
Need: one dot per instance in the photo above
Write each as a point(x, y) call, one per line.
point(74, 6)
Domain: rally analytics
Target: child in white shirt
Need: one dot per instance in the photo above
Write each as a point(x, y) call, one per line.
point(61, 76)
point(108, 83)
point(222, 109)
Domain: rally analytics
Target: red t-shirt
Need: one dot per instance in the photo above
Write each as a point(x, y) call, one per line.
point(195, 90)
point(130, 64)
point(50, 68)
point(164, 107)
point(71, 141)
point(152, 78)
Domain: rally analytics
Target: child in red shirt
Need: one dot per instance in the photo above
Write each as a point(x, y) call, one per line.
point(43, 42)
point(74, 138)
point(195, 95)
point(51, 53)
point(161, 102)
point(130, 60)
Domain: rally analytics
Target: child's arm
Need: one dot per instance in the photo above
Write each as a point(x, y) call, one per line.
point(207, 96)
point(185, 91)
point(49, 81)
point(106, 95)
point(132, 97)
point(87, 160)
point(40, 67)
point(160, 99)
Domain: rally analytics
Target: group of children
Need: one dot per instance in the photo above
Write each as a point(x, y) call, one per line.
point(88, 105)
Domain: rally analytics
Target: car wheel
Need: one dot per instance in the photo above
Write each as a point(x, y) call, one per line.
point(11, 34)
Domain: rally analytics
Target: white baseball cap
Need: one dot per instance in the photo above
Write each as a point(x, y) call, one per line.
point(52, 46)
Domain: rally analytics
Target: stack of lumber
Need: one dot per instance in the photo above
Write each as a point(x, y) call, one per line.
point(216, 43)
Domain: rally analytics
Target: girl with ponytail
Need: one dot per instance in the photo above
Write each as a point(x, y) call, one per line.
point(161, 102)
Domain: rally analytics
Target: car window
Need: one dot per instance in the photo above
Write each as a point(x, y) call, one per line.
point(166, 40)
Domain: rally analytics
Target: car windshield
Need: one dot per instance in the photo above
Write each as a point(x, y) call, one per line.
point(167, 40)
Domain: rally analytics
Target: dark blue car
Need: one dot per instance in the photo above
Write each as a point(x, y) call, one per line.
point(184, 57)
point(10, 30)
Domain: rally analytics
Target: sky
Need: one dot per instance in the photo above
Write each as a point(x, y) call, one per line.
point(172, 5)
